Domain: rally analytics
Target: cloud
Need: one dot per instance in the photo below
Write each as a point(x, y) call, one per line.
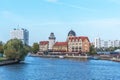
point(53, 1)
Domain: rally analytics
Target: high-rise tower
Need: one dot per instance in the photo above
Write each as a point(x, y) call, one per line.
point(21, 34)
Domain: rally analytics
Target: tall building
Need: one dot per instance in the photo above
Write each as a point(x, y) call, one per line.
point(97, 42)
point(116, 43)
point(22, 34)
point(110, 43)
point(52, 39)
point(105, 44)
point(102, 43)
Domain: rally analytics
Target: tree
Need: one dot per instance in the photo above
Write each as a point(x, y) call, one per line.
point(35, 48)
point(1, 47)
point(15, 49)
point(92, 50)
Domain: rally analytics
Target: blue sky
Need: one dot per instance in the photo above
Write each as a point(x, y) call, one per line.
point(90, 18)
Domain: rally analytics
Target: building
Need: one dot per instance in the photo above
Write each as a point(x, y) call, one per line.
point(102, 44)
point(78, 44)
point(22, 34)
point(97, 42)
point(71, 33)
point(43, 46)
point(47, 45)
point(60, 47)
point(105, 44)
point(110, 44)
point(52, 39)
point(73, 43)
point(116, 43)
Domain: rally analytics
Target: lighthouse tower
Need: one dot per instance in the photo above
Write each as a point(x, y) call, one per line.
point(52, 39)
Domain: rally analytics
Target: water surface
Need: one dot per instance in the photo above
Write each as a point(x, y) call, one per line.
point(36, 68)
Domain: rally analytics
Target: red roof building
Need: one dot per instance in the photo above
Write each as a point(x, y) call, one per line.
point(60, 47)
point(78, 38)
point(44, 42)
point(78, 44)
point(43, 46)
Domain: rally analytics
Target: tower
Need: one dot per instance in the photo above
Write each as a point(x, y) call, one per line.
point(97, 42)
point(52, 39)
point(22, 34)
point(71, 33)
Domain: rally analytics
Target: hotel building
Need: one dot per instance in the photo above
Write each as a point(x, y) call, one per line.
point(78, 44)
point(22, 34)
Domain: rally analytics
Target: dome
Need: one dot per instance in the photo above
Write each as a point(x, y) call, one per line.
point(71, 33)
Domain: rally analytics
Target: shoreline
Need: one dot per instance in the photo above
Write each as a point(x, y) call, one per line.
point(100, 57)
point(8, 62)
point(59, 56)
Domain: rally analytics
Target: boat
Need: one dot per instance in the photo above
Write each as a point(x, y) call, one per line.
point(61, 57)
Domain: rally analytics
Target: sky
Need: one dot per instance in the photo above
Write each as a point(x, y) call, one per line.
point(92, 18)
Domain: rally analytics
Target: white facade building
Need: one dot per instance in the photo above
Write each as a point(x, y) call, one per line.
point(102, 43)
point(116, 43)
point(97, 42)
point(52, 39)
point(21, 34)
point(110, 44)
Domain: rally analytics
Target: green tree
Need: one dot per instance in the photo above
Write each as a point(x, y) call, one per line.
point(35, 48)
point(92, 50)
point(1, 47)
point(15, 49)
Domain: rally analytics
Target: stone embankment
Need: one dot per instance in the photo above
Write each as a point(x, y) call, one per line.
point(95, 57)
point(7, 62)
point(60, 56)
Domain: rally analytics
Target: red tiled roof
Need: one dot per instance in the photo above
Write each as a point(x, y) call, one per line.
point(44, 42)
point(78, 38)
point(61, 44)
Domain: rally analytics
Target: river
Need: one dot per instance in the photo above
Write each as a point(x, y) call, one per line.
point(36, 68)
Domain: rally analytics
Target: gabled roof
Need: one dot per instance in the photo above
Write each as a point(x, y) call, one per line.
point(44, 42)
point(61, 44)
point(79, 38)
